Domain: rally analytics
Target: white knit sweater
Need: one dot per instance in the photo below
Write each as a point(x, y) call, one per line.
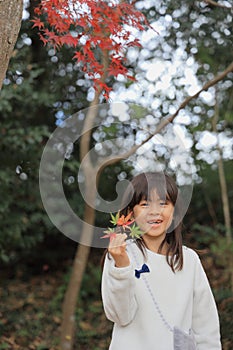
point(184, 297)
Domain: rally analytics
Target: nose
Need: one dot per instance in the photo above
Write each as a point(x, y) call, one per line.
point(155, 208)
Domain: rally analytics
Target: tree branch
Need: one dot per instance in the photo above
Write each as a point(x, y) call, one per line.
point(214, 3)
point(110, 160)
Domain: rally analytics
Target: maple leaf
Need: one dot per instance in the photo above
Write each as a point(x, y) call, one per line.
point(37, 11)
point(125, 221)
point(69, 40)
point(79, 56)
point(37, 23)
point(110, 233)
point(135, 232)
point(114, 218)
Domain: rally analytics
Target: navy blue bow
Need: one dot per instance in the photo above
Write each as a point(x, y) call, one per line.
point(144, 268)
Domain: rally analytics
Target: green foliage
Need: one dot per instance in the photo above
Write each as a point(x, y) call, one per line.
point(215, 239)
point(226, 321)
point(206, 206)
point(21, 211)
point(220, 248)
point(223, 251)
point(205, 235)
point(38, 87)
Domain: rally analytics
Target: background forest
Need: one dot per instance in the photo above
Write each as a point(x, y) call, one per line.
point(191, 44)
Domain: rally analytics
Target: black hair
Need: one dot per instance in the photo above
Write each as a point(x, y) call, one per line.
point(140, 188)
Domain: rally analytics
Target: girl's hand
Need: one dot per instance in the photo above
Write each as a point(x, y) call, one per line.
point(117, 249)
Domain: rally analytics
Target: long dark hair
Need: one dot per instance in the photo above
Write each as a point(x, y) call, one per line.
point(139, 189)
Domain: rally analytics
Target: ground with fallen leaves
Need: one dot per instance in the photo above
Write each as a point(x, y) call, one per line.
point(31, 295)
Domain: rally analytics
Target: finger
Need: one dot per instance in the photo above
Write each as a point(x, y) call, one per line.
point(118, 241)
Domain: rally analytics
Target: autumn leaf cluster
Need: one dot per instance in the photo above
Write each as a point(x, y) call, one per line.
point(93, 28)
point(123, 224)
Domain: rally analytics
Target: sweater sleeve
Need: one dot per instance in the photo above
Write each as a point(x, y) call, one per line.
point(118, 296)
point(205, 316)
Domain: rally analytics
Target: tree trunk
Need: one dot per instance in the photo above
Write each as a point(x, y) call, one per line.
point(224, 192)
point(82, 253)
point(222, 179)
point(80, 261)
point(225, 200)
point(10, 22)
point(210, 207)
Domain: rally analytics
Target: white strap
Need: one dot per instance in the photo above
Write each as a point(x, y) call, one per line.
point(167, 325)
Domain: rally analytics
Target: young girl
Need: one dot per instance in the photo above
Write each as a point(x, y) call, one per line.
point(153, 285)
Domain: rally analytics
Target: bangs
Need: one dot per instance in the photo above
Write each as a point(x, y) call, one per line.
point(143, 186)
point(149, 196)
point(149, 183)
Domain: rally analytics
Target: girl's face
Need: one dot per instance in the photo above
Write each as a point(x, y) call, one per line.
point(154, 216)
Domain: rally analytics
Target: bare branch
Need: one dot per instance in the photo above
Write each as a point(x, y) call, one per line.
point(214, 3)
point(166, 121)
point(210, 83)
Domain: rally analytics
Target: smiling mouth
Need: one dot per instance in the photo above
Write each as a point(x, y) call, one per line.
point(155, 222)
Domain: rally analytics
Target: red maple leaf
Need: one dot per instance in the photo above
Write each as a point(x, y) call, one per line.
point(110, 233)
point(97, 25)
point(125, 221)
point(38, 23)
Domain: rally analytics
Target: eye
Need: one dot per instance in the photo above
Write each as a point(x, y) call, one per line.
point(163, 203)
point(144, 204)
